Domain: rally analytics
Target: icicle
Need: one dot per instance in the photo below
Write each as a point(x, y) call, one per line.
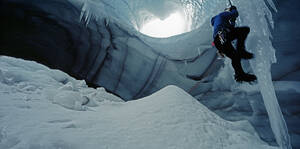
point(85, 14)
point(265, 56)
point(272, 5)
point(83, 9)
point(106, 22)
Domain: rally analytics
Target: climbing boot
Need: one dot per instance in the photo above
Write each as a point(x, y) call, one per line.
point(245, 77)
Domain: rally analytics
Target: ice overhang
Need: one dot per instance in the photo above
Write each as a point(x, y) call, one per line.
point(156, 18)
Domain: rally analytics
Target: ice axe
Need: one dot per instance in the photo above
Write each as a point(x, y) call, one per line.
point(230, 3)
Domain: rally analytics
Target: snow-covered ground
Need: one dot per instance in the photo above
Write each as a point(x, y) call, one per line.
point(44, 108)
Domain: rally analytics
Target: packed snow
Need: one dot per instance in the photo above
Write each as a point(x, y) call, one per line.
point(44, 108)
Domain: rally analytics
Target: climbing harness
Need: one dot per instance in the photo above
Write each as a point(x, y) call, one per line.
point(222, 36)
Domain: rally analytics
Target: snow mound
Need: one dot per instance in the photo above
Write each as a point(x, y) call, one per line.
point(30, 117)
point(34, 81)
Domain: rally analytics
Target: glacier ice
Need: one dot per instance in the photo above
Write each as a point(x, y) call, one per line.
point(99, 41)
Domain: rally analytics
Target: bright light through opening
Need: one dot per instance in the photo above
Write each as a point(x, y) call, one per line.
point(173, 25)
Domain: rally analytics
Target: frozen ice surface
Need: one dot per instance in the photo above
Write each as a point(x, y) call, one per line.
point(44, 108)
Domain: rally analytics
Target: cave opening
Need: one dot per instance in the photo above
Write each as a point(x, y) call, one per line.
point(173, 25)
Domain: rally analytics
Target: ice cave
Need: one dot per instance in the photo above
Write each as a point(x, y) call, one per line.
point(118, 74)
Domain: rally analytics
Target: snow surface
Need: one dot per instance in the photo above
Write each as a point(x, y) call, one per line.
point(44, 108)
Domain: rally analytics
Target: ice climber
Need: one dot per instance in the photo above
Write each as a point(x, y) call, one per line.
point(224, 33)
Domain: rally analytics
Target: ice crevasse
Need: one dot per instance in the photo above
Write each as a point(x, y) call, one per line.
point(98, 41)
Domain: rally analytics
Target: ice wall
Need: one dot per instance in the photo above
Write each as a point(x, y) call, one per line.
point(103, 50)
point(286, 38)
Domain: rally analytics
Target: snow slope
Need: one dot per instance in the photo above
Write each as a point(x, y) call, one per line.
point(44, 108)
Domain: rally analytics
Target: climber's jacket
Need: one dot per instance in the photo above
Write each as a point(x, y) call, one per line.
point(224, 21)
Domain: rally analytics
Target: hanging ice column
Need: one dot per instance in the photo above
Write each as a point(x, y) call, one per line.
point(259, 43)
